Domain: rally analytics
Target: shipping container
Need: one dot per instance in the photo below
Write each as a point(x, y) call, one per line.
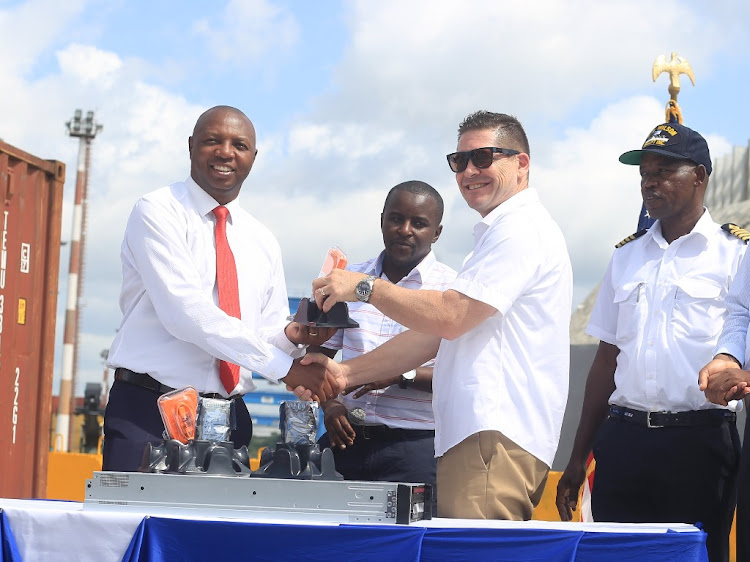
point(31, 190)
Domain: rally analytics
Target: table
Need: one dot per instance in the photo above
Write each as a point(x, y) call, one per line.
point(51, 530)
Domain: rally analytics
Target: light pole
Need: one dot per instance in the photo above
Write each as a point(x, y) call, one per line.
point(86, 130)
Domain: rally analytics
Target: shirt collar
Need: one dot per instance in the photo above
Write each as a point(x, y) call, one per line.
point(705, 228)
point(204, 203)
point(418, 272)
point(523, 197)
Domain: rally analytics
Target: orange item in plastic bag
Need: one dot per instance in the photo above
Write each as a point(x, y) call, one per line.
point(335, 259)
point(178, 412)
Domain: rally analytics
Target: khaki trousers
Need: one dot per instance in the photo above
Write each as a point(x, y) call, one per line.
point(488, 476)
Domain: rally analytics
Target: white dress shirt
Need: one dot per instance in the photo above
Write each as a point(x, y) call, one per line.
point(172, 326)
point(663, 305)
point(510, 373)
point(393, 406)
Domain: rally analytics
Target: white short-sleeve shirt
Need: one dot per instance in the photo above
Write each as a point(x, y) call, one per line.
point(663, 305)
point(510, 373)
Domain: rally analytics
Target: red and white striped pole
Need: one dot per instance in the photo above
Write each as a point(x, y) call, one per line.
point(86, 131)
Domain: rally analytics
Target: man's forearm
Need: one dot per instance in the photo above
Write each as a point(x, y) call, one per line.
point(447, 314)
point(408, 350)
point(417, 310)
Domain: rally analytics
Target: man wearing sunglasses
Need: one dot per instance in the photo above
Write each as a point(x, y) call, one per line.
point(500, 332)
point(663, 452)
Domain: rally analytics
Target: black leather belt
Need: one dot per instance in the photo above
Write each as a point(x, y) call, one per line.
point(146, 381)
point(714, 416)
point(141, 379)
point(384, 432)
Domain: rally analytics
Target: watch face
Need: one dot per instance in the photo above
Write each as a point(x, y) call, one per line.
point(363, 290)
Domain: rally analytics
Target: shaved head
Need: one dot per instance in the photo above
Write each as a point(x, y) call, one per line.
point(222, 152)
point(228, 108)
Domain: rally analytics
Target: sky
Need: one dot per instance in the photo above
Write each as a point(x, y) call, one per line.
point(350, 98)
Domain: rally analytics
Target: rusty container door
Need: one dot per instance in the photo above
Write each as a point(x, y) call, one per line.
point(30, 217)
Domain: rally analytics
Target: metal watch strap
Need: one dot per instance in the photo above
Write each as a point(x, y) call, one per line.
point(406, 382)
point(364, 288)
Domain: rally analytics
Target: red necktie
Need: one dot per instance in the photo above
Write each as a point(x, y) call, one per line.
point(229, 293)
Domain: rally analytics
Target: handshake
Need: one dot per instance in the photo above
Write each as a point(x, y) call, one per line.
point(316, 377)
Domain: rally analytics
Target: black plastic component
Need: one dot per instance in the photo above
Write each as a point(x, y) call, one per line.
point(309, 314)
point(196, 457)
point(154, 458)
point(301, 462)
point(413, 503)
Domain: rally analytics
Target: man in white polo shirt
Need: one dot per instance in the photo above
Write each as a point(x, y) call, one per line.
point(395, 440)
point(501, 375)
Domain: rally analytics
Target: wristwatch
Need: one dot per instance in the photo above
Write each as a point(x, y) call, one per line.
point(364, 288)
point(407, 379)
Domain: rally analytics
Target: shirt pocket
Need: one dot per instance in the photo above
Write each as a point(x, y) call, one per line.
point(630, 300)
point(698, 310)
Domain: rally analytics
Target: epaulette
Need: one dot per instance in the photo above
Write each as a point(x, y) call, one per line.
point(735, 230)
point(631, 238)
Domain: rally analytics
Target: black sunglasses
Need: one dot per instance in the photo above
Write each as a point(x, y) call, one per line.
point(480, 157)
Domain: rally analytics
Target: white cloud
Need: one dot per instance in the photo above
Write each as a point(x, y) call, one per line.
point(247, 30)
point(595, 199)
point(413, 60)
point(29, 28)
point(89, 65)
point(349, 141)
point(718, 145)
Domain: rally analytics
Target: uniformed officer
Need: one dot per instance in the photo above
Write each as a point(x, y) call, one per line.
point(663, 452)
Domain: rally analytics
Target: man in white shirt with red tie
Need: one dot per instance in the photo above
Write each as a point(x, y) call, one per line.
point(176, 329)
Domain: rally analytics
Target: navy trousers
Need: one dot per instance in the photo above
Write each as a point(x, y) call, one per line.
point(742, 524)
point(132, 419)
point(668, 475)
point(401, 456)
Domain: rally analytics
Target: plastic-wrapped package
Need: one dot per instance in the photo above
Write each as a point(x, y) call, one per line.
point(335, 259)
point(178, 411)
point(215, 419)
point(298, 422)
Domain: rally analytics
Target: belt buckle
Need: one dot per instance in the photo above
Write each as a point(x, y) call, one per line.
point(648, 421)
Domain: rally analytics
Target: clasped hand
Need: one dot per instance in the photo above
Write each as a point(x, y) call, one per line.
point(315, 377)
point(722, 380)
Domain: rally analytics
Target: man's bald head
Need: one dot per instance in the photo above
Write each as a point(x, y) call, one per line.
point(228, 108)
point(222, 152)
